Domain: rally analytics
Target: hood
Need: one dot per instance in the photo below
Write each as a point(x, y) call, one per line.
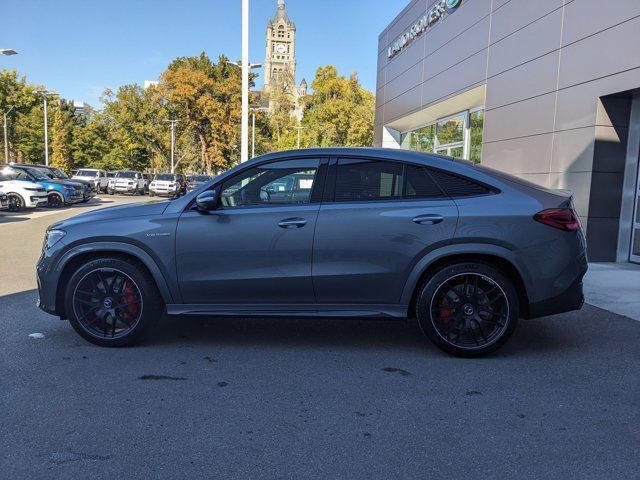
point(84, 181)
point(59, 182)
point(117, 212)
point(18, 184)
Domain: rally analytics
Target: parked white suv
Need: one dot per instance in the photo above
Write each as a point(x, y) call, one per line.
point(20, 193)
point(127, 182)
point(94, 175)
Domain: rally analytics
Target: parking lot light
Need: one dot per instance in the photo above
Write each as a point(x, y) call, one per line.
point(7, 51)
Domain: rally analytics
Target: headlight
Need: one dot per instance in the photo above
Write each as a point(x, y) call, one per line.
point(52, 237)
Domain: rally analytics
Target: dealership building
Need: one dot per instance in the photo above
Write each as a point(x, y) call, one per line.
point(548, 90)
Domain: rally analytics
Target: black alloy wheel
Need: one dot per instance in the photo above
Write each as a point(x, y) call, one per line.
point(112, 301)
point(468, 309)
point(107, 303)
point(16, 202)
point(55, 200)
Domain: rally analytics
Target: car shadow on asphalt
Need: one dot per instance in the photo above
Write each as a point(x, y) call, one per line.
point(9, 218)
point(588, 332)
point(532, 337)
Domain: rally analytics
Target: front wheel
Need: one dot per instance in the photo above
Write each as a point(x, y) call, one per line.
point(468, 309)
point(55, 200)
point(112, 302)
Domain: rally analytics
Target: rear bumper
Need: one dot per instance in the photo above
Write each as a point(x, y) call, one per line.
point(570, 298)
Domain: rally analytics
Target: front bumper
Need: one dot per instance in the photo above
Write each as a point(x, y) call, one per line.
point(73, 197)
point(124, 188)
point(37, 200)
point(163, 192)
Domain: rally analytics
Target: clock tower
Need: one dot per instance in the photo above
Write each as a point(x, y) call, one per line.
point(280, 59)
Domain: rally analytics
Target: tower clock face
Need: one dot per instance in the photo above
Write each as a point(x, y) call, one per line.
point(280, 48)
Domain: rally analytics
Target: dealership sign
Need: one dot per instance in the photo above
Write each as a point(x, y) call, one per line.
point(423, 24)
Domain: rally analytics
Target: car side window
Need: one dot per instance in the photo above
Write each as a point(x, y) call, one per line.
point(419, 184)
point(358, 180)
point(278, 183)
point(457, 186)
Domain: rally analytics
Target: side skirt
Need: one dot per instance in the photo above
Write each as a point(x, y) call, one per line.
point(312, 310)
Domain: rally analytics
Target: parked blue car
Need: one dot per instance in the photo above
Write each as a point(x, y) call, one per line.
point(59, 192)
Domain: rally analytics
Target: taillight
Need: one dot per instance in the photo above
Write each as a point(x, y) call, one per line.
point(562, 218)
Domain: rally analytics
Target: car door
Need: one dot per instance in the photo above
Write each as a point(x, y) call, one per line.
point(254, 248)
point(378, 218)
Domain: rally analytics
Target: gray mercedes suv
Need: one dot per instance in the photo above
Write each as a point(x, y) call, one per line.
point(366, 233)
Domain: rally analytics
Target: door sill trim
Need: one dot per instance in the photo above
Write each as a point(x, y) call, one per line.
point(313, 310)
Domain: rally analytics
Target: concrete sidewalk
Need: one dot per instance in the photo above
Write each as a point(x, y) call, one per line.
point(614, 287)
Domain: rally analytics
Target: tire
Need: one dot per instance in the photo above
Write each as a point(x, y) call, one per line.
point(16, 202)
point(468, 309)
point(132, 295)
point(109, 191)
point(55, 200)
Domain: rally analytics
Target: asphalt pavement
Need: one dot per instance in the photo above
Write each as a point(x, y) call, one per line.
point(294, 399)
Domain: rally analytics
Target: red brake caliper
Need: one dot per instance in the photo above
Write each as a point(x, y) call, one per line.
point(128, 296)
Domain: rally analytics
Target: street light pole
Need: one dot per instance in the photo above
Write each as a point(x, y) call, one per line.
point(299, 128)
point(6, 138)
point(44, 94)
point(244, 140)
point(173, 140)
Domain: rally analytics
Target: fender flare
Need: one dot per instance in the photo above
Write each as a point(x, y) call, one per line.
point(459, 249)
point(168, 295)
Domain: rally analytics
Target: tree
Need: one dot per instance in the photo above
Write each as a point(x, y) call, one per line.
point(15, 92)
point(339, 112)
point(207, 99)
point(282, 102)
point(62, 132)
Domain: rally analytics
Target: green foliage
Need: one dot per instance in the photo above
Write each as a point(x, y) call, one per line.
point(132, 131)
point(62, 134)
point(339, 112)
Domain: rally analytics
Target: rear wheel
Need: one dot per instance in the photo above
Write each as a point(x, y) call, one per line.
point(16, 202)
point(112, 302)
point(468, 309)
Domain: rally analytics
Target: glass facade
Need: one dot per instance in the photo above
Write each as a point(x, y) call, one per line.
point(458, 136)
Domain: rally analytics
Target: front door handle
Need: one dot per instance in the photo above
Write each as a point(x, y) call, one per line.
point(428, 219)
point(292, 223)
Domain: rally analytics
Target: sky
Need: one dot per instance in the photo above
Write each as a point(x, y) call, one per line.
point(80, 47)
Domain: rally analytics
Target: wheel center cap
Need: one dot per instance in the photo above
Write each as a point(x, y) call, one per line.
point(468, 310)
point(108, 303)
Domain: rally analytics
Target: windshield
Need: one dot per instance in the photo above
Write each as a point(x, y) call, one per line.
point(87, 173)
point(126, 175)
point(167, 177)
point(59, 173)
point(201, 178)
point(35, 173)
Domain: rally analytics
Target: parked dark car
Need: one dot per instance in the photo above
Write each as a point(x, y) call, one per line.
point(88, 188)
point(59, 192)
point(196, 181)
point(385, 234)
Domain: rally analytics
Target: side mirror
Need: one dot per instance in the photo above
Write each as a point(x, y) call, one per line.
point(208, 200)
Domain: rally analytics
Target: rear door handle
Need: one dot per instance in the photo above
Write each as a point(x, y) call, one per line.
point(292, 223)
point(428, 219)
